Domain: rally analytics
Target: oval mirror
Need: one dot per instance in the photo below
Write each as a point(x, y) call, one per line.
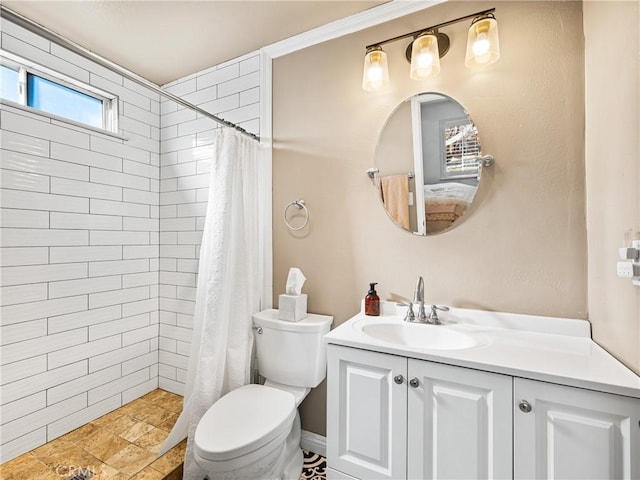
point(427, 164)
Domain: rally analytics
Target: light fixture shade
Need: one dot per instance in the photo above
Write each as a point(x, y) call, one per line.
point(483, 47)
point(375, 75)
point(425, 59)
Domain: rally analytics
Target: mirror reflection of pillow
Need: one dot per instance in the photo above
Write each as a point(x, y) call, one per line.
point(394, 192)
point(441, 213)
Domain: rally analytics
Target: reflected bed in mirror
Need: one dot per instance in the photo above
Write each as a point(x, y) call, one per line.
point(428, 164)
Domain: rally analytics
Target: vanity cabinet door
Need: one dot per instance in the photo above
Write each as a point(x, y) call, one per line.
point(366, 413)
point(459, 423)
point(572, 433)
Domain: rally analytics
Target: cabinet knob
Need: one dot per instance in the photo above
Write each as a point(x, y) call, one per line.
point(524, 406)
point(414, 382)
point(399, 379)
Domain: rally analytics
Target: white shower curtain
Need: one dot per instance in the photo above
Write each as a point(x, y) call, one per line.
point(228, 290)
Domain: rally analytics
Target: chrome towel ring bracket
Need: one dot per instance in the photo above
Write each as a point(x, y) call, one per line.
point(300, 205)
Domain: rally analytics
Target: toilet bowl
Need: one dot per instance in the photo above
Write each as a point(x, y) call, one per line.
point(253, 432)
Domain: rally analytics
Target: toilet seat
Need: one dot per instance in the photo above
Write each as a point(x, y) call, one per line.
point(243, 421)
point(299, 393)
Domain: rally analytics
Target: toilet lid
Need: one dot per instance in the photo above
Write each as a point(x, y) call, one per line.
point(243, 421)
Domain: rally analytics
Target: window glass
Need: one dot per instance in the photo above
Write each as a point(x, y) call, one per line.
point(9, 84)
point(57, 99)
point(461, 148)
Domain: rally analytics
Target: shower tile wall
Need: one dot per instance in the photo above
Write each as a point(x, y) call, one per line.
point(231, 91)
point(79, 255)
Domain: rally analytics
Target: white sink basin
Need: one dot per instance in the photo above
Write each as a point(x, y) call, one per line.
point(420, 335)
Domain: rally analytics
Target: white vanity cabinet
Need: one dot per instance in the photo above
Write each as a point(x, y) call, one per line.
point(394, 417)
point(367, 414)
point(459, 422)
point(487, 395)
point(572, 433)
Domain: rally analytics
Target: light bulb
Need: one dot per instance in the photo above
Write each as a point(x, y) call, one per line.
point(481, 45)
point(481, 48)
point(375, 74)
point(425, 60)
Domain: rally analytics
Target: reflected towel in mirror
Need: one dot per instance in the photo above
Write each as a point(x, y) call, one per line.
point(394, 192)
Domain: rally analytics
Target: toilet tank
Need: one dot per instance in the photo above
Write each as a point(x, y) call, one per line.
point(291, 353)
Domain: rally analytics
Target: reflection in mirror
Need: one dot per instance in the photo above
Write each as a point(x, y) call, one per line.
point(427, 164)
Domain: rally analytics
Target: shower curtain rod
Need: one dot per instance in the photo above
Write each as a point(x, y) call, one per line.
point(45, 32)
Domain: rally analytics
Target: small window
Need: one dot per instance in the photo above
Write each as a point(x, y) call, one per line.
point(9, 84)
point(59, 100)
point(37, 87)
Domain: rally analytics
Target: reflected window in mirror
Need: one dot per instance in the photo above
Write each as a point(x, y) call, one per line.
point(460, 149)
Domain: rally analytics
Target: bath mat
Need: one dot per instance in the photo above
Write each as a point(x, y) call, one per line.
point(314, 468)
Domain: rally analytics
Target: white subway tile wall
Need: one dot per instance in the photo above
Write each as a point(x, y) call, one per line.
point(79, 254)
point(230, 91)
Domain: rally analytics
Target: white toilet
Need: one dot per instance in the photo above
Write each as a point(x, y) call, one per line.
point(253, 432)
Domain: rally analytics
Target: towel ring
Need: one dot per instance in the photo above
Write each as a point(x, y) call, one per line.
point(299, 204)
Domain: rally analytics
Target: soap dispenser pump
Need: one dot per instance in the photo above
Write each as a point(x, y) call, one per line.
point(372, 302)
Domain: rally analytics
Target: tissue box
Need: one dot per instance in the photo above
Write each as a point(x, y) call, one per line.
point(292, 308)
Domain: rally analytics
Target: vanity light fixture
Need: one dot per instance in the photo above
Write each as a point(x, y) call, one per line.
point(376, 71)
point(483, 47)
point(425, 58)
point(429, 45)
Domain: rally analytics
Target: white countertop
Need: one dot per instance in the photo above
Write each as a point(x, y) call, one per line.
point(556, 350)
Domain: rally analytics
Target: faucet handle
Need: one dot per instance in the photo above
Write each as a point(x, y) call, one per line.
point(433, 316)
point(410, 317)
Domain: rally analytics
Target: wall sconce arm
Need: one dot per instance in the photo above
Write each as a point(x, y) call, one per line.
point(434, 27)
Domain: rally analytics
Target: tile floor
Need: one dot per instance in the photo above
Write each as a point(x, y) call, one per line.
point(121, 445)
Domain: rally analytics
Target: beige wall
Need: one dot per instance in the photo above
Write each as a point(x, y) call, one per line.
point(612, 159)
point(523, 249)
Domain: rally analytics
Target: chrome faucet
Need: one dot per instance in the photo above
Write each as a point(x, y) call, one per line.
point(418, 299)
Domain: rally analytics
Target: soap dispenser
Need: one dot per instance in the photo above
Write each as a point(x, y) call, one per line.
point(372, 302)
